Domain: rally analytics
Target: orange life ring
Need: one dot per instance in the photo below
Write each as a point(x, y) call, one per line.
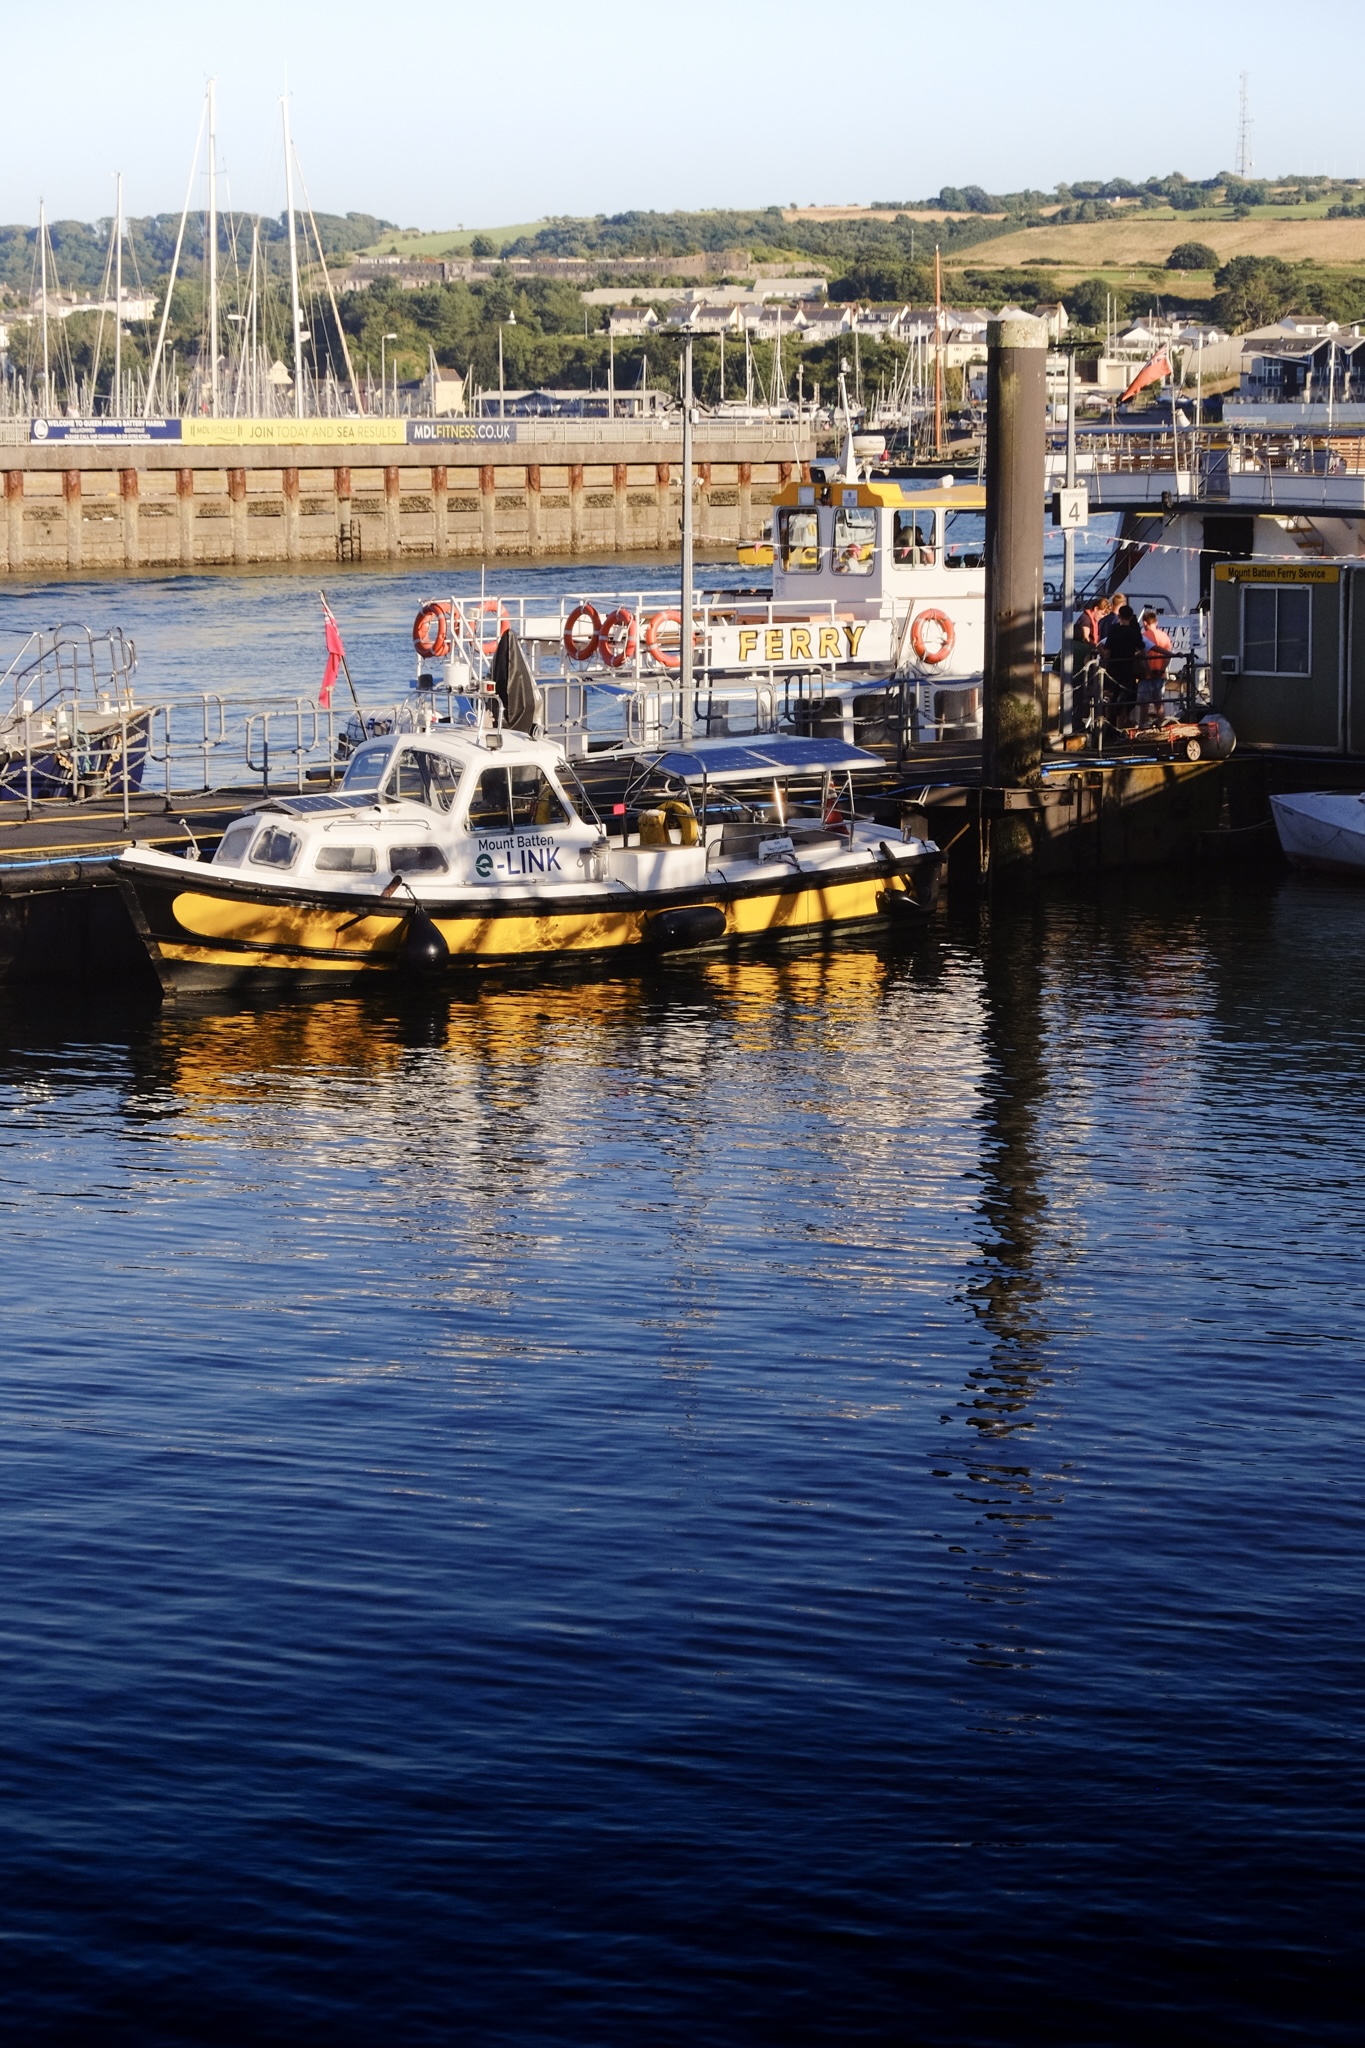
point(932, 656)
point(573, 647)
point(620, 623)
point(653, 630)
point(432, 645)
point(488, 607)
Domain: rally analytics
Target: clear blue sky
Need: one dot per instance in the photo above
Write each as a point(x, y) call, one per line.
point(434, 114)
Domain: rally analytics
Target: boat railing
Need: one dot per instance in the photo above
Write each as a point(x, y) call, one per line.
point(71, 668)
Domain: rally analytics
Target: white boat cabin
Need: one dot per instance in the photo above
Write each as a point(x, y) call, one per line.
point(884, 551)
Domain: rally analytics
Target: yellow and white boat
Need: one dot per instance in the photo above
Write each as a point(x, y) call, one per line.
point(459, 847)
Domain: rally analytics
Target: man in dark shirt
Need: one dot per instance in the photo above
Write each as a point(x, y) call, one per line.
point(1125, 657)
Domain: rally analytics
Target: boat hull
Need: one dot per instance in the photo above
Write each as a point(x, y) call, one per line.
point(1322, 832)
point(205, 935)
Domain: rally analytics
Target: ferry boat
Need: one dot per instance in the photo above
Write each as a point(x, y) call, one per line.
point(464, 846)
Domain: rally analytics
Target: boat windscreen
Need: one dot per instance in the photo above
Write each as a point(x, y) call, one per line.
point(367, 765)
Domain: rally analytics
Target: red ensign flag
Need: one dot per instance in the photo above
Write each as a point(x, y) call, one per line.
point(336, 654)
point(1151, 373)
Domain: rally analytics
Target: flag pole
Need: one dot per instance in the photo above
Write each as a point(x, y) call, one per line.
point(346, 666)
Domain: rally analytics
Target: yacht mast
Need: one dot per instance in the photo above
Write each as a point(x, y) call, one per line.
point(170, 282)
point(42, 255)
point(293, 261)
point(212, 252)
point(118, 297)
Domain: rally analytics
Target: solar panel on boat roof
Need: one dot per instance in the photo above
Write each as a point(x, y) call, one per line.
point(300, 806)
point(772, 754)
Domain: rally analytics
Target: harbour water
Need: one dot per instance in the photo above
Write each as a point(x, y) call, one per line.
point(815, 1499)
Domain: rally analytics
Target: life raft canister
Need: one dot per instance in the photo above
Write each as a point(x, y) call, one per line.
point(430, 632)
point(931, 656)
point(653, 638)
point(576, 649)
point(616, 641)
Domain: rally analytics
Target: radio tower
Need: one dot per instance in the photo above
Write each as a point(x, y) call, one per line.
point(1243, 132)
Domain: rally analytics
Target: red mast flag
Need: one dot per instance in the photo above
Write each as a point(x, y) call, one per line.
point(1151, 373)
point(336, 654)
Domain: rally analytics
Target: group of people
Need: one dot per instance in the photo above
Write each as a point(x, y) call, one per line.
point(1120, 664)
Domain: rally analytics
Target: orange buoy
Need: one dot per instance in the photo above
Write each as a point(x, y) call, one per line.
point(932, 656)
point(654, 647)
point(616, 640)
point(576, 649)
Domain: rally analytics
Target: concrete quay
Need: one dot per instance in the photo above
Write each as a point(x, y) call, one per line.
point(574, 488)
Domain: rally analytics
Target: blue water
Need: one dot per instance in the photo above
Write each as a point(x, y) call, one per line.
point(810, 1500)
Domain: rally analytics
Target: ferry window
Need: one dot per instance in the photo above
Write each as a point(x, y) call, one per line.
point(275, 848)
point(490, 807)
point(535, 800)
point(1275, 630)
point(366, 770)
point(345, 860)
point(964, 540)
point(913, 545)
point(233, 844)
point(799, 539)
point(417, 860)
point(855, 541)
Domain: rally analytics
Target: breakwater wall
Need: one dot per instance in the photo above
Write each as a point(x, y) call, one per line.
point(547, 488)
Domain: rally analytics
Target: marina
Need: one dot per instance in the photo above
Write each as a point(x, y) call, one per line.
point(680, 1012)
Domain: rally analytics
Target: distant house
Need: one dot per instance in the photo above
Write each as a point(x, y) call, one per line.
point(824, 323)
point(1288, 373)
point(545, 403)
point(694, 316)
point(447, 392)
point(630, 322)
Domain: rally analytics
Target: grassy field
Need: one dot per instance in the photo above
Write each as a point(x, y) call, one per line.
point(1137, 240)
point(444, 242)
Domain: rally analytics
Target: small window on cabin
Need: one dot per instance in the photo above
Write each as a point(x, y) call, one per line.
point(798, 535)
point(1275, 630)
point(233, 844)
point(913, 543)
point(275, 848)
point(535, 800)
point(855, 541)
point(417, 860)
point(964, 540)
point(366, 770)
point(345, 860)
point(490, 808)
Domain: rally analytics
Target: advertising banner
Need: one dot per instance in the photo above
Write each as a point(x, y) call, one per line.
point(422, 433)
point(89, 432)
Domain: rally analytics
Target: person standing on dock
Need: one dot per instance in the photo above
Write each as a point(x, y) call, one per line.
point(1125, 657)
point(1152, 673)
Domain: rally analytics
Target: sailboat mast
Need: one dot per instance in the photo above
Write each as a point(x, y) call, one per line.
point(213, 247)
point(118, 297)
point(42, 254)
point(253, 399)
point(293, 262)
point(938, 352)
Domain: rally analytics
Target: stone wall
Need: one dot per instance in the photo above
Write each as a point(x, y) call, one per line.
point(87, 509)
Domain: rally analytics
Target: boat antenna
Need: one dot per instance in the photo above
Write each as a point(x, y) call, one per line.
point(685, 645)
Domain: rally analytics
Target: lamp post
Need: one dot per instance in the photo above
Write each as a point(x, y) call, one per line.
point(384, 339)
point(510, 321)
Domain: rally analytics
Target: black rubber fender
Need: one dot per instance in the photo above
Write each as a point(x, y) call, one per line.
point(423, 952)
point(693, 924)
